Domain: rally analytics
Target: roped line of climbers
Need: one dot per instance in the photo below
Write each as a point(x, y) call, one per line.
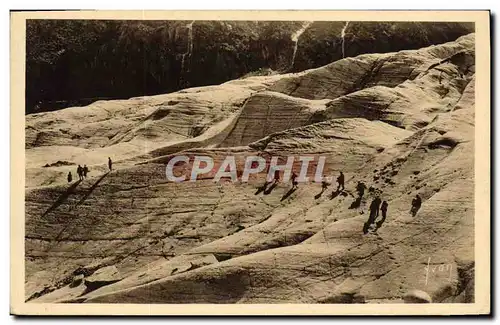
point(376, 205)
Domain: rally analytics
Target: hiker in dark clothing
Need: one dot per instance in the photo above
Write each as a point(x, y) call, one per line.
point(110, 164)
point(70, 177)
point(85, 170)
point(415, 205)
point(324, 184)
point(276, 176)
point(294, 180)
point(79, 171)
point(383, 208)
point(361, 187)
point(340, 180)
point(374, 206)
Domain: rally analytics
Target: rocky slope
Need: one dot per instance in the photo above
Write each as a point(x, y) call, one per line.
point(401, 122)
point(120, 59)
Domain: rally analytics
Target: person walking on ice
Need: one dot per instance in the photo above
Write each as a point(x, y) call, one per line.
point(361, 187)
point(276, 176)
point(70, 177)
point(383, 208)
point(416, 203)
point(324, 184)
point(294, 181)
point(340, 180)
point(85, 170)
point(110, 164)
point(79, 171)
point(374, 207)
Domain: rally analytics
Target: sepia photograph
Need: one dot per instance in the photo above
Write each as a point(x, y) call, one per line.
point(328, 159)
